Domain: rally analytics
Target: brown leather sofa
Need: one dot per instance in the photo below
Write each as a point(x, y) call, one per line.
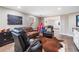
point(30, 32)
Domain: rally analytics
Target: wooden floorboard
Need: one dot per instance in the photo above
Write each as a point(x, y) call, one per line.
point(7, 48)
point(68, 41)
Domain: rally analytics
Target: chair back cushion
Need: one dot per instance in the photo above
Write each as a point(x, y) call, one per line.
point(20, 39)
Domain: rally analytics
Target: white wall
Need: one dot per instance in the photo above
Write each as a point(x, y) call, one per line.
point(64, 29)
point(72, 22)
point(52, 21)
point(67, 23)
point(3, 18)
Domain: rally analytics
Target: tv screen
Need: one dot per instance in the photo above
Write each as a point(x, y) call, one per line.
point(14, 20)
point(77, 20)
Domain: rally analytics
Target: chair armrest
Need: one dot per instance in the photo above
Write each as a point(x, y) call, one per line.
point(34, 45)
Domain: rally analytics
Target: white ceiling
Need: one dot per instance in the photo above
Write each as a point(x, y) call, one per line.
point(46, 10)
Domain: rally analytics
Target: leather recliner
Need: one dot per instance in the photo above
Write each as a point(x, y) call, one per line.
point(48, 33)
point(22, 42)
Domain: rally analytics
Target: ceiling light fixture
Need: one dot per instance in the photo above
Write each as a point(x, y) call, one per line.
point(59, 8)
point(19, 7)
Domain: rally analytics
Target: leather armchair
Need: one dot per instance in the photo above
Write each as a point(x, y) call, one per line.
point(49, 32)
point(22, 42)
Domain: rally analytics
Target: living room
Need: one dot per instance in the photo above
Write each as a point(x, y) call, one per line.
point(63, 19)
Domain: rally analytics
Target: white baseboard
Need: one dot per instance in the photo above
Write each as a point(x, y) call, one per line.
point(66, 34)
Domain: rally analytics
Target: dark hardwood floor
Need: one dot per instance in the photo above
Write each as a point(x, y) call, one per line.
point(69, 43)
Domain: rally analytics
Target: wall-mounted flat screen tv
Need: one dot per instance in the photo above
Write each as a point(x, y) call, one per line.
point(77, 20)
point(14, 20)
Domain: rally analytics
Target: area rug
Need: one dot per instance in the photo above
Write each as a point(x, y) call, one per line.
point(63, 48)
